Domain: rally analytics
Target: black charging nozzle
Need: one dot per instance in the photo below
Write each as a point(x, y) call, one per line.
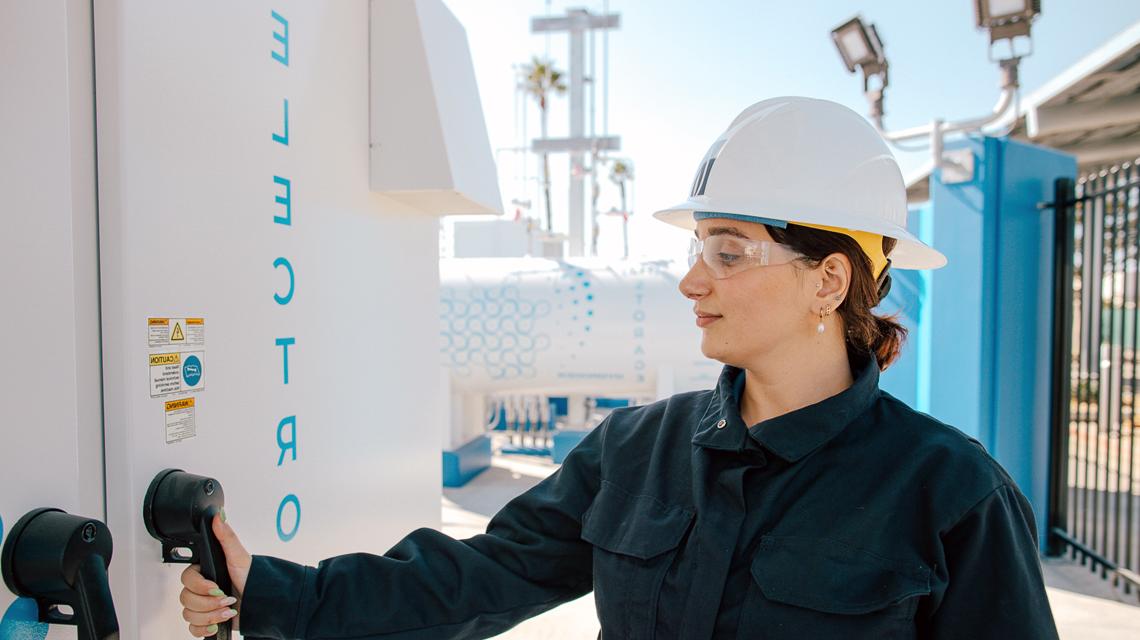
point(59, 559)
point(178, 510)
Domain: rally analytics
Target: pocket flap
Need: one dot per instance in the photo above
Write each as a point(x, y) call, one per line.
point(633, 525)
point(831, 576)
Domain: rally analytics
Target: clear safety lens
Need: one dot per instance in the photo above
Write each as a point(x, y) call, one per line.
point(727, 255)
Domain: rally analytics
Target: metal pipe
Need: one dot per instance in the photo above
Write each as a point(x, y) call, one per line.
point(492, 421)
point(1097, 422)
point(1003, 103)
point(606, 72)
point(1062, 361)
point(1128, 535)
point(1112, 397)
point(1009, 90)
point(936, 126)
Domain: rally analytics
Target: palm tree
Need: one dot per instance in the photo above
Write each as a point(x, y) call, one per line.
point(539, 78)
point(620, 172)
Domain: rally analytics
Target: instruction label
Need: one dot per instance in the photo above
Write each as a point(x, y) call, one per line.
point(176, 355)
point(180, 422)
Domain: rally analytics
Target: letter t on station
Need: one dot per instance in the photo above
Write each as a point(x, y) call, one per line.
point(285, 343)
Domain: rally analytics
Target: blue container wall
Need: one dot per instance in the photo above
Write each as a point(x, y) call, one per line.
point(908, 377)
point(961, 348)
point(990, 309)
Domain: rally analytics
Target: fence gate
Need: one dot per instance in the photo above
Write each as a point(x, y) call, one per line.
point(1094, 507)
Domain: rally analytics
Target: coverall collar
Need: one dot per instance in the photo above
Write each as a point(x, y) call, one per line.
point(795, 434)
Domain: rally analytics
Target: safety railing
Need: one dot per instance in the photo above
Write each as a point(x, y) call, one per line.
point(1094, 508)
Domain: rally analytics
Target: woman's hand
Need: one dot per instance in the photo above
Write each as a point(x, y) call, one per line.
point(204, 604)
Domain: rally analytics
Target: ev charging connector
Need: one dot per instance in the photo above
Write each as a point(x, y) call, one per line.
point(59, 559)
point(178, 510)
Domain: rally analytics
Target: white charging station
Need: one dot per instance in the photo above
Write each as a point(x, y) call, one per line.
point(211, 263)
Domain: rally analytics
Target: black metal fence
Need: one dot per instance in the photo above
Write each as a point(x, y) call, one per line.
point(1094, 510)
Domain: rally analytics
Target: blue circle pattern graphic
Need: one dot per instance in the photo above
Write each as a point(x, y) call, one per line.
point(491, 328)
point(578, 283)
point(21, 622)
point(191, 373)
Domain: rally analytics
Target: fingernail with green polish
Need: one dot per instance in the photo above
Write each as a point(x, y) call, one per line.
point(223, 515)
point(212, 629)
point(217, 592)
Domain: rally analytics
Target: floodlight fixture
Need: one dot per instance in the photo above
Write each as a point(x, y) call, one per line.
point(859, 46)
point(1006, 19)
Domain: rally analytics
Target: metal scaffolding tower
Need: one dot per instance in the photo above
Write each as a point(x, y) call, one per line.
point(577, 22)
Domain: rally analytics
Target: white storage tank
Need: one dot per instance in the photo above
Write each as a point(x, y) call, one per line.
point(574, 326)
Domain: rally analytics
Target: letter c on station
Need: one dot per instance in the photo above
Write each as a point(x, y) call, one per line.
point(284, 299)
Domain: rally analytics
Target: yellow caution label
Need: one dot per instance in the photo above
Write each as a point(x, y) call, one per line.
point(177, 333)
point(157, 321)
point(159, 359)
point(191, 321)
point(175, 405)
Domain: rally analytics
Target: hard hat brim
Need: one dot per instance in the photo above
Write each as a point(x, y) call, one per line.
point(909, 253)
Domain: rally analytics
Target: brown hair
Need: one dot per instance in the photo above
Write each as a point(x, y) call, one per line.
point(866, 332)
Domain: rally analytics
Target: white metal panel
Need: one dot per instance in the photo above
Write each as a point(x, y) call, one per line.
point(1081, 117)
point(190, 98)
point(429, 144)
point(50, 410)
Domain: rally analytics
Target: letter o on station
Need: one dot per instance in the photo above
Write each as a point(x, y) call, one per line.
point(281, 533)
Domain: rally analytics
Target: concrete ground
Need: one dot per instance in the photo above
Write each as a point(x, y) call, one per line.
point(1088, 607)
point(467, 510)
point(1085, 606)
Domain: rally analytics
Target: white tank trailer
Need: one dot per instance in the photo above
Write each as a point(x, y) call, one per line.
point(516, 332)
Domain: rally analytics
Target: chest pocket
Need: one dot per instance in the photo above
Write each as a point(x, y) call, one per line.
point(635, 539)
point(823, 588)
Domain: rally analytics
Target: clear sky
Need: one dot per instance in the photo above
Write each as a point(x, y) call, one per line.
point(680, 70)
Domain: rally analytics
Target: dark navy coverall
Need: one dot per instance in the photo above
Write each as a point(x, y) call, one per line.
point(855, 517)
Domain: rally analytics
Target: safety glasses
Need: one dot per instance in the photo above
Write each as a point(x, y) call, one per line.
point(727, 255)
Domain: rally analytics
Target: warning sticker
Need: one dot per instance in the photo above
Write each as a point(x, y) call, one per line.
point(176, 372)
point(183, 333)
point(176, 355)
point(180, 423)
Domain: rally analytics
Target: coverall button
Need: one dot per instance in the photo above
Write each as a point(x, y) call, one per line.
point(721, 423)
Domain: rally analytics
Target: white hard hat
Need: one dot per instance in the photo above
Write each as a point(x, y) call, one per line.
point(810, 162)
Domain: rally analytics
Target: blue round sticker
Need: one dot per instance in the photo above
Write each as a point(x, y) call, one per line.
point(192, 370)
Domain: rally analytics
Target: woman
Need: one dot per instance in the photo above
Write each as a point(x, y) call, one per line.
point(794, 500)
